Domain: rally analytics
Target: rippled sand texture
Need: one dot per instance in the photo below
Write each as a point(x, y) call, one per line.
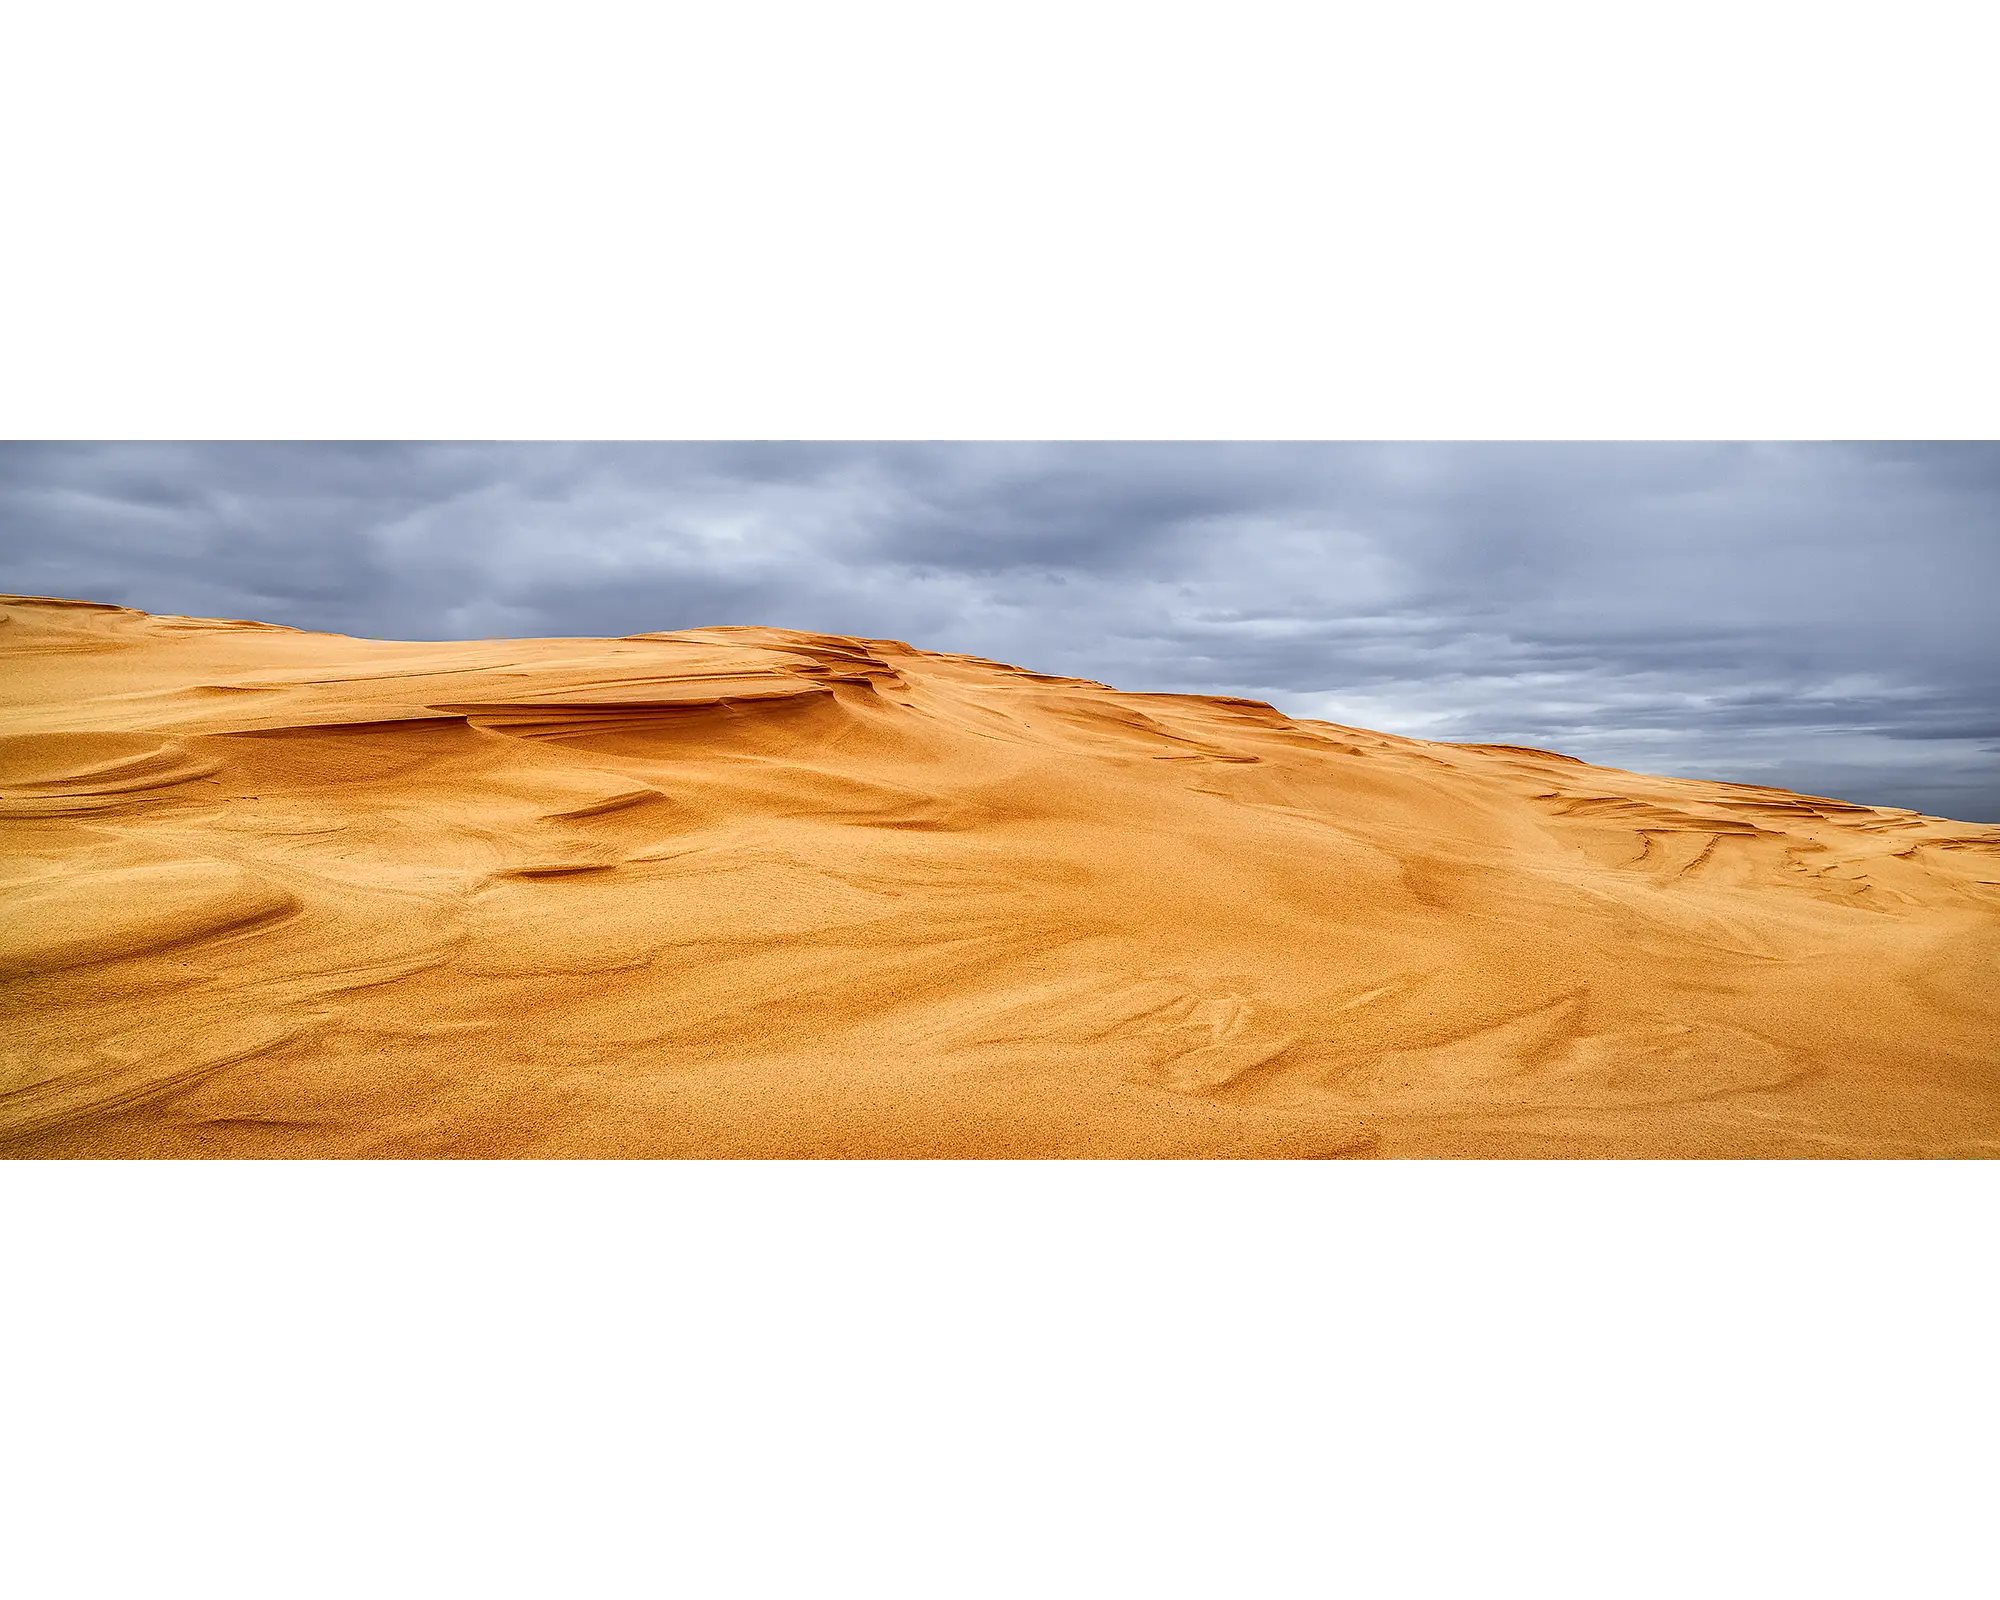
point(747, 892)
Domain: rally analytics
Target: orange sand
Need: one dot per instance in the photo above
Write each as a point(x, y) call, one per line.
point(748, 892)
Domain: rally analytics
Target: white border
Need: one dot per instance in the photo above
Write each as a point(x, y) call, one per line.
point(1405, 1378)
point(1076, 220)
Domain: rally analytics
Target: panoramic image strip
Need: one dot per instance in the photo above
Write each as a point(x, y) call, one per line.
point(1335, 859)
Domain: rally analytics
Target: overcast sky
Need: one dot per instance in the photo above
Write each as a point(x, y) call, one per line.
point(1817, 616)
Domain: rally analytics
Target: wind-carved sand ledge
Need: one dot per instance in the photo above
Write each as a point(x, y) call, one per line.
point(751, 892)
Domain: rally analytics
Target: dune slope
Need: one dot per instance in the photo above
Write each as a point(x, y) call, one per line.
point(750, 892)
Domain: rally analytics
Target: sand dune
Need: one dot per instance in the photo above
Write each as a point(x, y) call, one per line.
point(749, 892)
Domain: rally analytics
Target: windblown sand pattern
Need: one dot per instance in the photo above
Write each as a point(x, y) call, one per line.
point(749, 892)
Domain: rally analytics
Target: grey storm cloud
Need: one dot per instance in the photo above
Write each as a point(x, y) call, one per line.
point(1818, 616)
